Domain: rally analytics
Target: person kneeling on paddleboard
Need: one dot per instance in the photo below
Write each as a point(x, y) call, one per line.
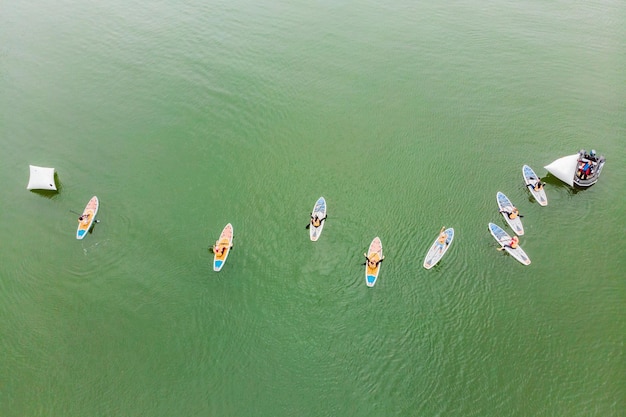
point(219, 248)
point(316, 221)
point(512, 214)
point(372, 263)
point(538, 185)
point(514, 243)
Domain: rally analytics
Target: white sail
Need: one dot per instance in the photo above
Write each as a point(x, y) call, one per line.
point(564, 168)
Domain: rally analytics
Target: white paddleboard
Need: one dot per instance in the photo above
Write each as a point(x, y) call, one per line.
point(505, 204)
point(530, 178)
point(226, 239)
point(319, 210)
point(88, 217)
point(374, 253)
point(503, 239)
point(437, 250)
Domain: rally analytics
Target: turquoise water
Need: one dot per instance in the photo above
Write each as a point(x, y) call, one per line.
point(184, 116)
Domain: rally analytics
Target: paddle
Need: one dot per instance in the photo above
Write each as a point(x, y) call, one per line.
point(532, 187)
point(377, 262)
point(80, 214)
point(509, 214)
point(212, 251)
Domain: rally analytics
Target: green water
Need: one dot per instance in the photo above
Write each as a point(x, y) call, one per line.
point(184, 116)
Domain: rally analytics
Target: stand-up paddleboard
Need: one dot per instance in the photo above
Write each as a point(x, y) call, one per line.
point(503, 239)
point(505, 205)
point(88, 217)
point(374, 253)
point(319, 210)
point(225, 240)
point(438, 249)
point(530, 178)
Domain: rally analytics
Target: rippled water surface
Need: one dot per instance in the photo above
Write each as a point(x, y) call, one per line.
point(184, 116)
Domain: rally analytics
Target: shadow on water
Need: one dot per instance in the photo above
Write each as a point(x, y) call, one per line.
point(46, 193)
point(557, 183)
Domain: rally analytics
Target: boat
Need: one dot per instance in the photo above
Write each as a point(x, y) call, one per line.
point(504, 239)
point(531, 179)
point(226, 239)
point(580, 170)
point(319, 211)
point(437, 250)
point(85, 221)
point(374, 253)
point(507, 207)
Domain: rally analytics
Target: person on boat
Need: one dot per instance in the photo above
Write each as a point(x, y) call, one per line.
point(579, 172)
point(372, 264)
point(442, 240)
point(592, 155)
point(513, 214)
point(514, 243)
point(585, 170)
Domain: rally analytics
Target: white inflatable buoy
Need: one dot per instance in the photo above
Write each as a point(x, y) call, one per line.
point(41, 178)
point(564, 168)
